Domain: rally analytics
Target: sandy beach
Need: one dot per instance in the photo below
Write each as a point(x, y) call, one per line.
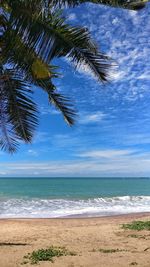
point(88, 237)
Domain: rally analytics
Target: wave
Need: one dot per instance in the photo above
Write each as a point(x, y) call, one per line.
point(59, 208)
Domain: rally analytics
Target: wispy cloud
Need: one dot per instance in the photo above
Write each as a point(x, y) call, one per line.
point(71, 17)
point(145, 76)
point(91, 117)
point(33, 153)
point(114, 163)
point(121, 38)
point(41, 137)
point(45, 110)
point(107, 154)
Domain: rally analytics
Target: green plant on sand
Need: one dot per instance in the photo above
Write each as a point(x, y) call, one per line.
point(47, 254)
point(137, 225)
point(108, 250)
point(137, 236)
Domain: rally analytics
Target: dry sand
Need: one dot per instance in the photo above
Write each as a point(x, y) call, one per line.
point(83, 236)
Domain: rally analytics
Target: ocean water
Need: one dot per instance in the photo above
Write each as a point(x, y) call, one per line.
point(72, 197)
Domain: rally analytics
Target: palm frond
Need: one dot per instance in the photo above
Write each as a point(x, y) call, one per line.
point(8, 138)
point(62, 103)
point(131, 4)
point(52, 37)
point(25, 59)
point(21, 109)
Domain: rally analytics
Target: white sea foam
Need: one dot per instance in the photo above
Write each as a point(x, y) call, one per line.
point(54, 208)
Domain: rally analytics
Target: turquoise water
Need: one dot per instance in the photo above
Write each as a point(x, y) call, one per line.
point(61, 197)
point(73, 187)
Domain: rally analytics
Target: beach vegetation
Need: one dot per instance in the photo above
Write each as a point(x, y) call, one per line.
point(113, 250)
point(24, 262)
point(47, 254)
point(110, 250)
point(137, 236)
point(33, 34)
point(137, 225)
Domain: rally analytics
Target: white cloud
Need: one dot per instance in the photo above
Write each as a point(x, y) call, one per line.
point(144, 76)
point(124, 36)
point(45, 110)
point(114, 163)
point(115, 21)
point(41, 137)
point(3, 173)
point(118, 75)
point(107, 154)
point(33, 152)
point(136, 139)
point(72, 17)
point(92, 118)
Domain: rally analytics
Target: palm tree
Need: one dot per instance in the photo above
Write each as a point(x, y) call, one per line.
point(33, 33)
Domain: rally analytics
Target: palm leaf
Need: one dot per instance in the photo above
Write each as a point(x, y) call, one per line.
point(52, 37)
point(37, 5)
point(21, 109)
point(132, 4)
point(61, 102)
point(8, 138)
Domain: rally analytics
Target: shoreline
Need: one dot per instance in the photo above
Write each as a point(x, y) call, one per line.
point(71, 217)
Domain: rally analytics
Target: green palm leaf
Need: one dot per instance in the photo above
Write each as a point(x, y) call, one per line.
point(55, 38)
point(8, 138)
point(18, 111)
point(61, 102)
point(132, 4)
point(24, 58)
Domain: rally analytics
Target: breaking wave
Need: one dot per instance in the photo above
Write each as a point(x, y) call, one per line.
point(59, 208)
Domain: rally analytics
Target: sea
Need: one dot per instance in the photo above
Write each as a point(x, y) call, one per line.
point(72, 197)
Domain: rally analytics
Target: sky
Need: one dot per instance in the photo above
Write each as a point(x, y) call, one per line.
point(111, 137)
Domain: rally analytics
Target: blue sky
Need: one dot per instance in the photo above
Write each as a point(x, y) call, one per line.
point(112, 133)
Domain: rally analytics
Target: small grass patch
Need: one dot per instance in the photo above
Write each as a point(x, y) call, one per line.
point(133, 263)
point(107, 250)
point(47, 254)
point(137, 236)
point(137, 225)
